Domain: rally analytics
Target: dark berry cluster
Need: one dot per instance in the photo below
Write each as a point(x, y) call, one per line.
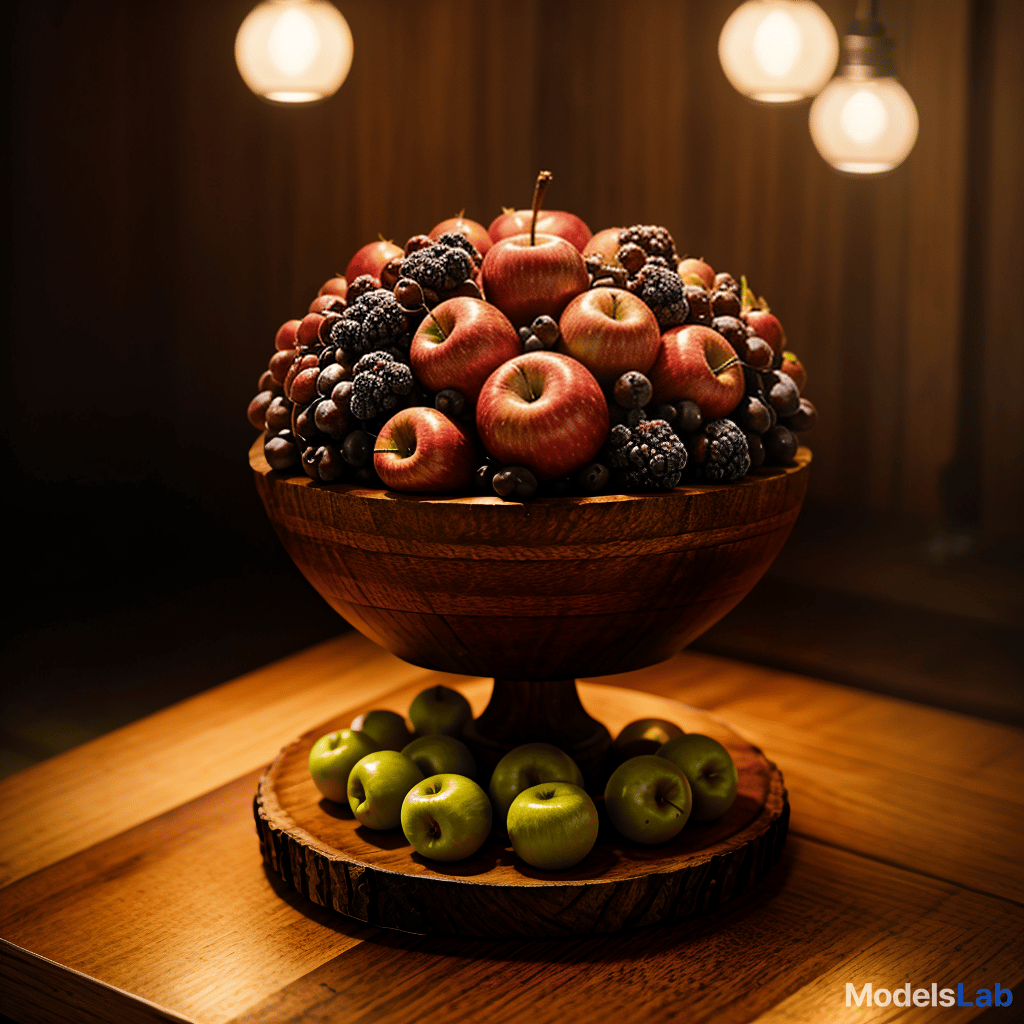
point(375, 320)
point(379, 383)
point(647, 457)
point(440, 269)
point(653, 239)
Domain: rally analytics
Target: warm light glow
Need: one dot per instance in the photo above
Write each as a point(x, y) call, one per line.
point(293, 42)
point(778, 51)
point(777, 44)
point(864, 126)
point(294, 51)
point(863, 118)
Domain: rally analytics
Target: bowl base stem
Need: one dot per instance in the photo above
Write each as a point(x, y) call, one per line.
point(540, 712)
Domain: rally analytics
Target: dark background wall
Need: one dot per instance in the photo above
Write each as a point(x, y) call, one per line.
point(161, 222)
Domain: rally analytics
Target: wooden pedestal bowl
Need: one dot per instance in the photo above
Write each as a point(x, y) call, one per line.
point(533, 595)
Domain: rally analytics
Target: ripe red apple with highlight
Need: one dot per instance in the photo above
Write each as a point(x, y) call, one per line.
point(461, 345)
point(549, 222)
point(528, 278)
point(544, 411)
point(698, 364)
point(371, 259)
point(766, 325)
point(604, 244)
point(610, 331)
point(694, 271)
point(420, 449)
point(472, 229)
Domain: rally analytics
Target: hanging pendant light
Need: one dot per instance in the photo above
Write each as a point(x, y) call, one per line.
point(864, 121)
point(294, 51)
point(778, 51)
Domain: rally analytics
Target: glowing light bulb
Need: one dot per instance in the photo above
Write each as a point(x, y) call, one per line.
point(863, 118)
point(777, 44)
point(864, 126)
point(293, 42)
point(778, 51)
point(294, 51)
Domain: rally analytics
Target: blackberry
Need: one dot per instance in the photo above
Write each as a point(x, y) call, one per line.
point(720, 453)
point(374, 321)
point(441, 268)
point(377, 386)
point(663, 292)
point(457, 240)
point(654, 240)
point(661, 261)
point(648, 456)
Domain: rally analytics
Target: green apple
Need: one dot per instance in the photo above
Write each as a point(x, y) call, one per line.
point(552, 826)
point(333, 756)
point(643, 736)
point(525, 766)
point(710, 769)
point(440, 709)
point(386, 727)
point(446, 817)
point(648, 799)
point(441, 755)
point(377, 786)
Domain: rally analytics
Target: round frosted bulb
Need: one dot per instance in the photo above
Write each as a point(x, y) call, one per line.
point(293, 42)
point(294, 51)
point(778, 51)
point(864, 126)
point(863, 118)
point(777, 44)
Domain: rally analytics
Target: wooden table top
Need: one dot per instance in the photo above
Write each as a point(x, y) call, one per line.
point(133, 888)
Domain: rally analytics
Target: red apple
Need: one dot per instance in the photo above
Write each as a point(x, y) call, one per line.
point(549, 222)
point(372, 259)
point(604, 244)
point(694, 271)
point(544, 411)
point(698, 364)
point(766, 325)
point(420, 449)
point(473, 230)
point(336, 285)
point(527, 280)
point(464, 342)
point(610, 331)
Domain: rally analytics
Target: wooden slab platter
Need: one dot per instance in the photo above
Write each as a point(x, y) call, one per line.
point(321, 851)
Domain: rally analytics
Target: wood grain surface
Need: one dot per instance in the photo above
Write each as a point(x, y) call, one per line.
point(321, 851)
point(140, 871)
point(551, 589)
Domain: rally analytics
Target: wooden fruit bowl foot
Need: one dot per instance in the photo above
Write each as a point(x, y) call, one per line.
point(539, 712)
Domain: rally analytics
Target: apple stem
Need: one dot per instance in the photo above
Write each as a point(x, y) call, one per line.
point(725, 366)
point(676, 806)
point(437, 324)
point(543, 180)
point(533, 397)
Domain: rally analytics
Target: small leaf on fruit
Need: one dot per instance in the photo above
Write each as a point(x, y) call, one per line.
point(694, 279)
point(747, 297)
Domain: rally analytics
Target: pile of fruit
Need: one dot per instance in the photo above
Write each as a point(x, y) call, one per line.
point(660, 779)
point(531, 356)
